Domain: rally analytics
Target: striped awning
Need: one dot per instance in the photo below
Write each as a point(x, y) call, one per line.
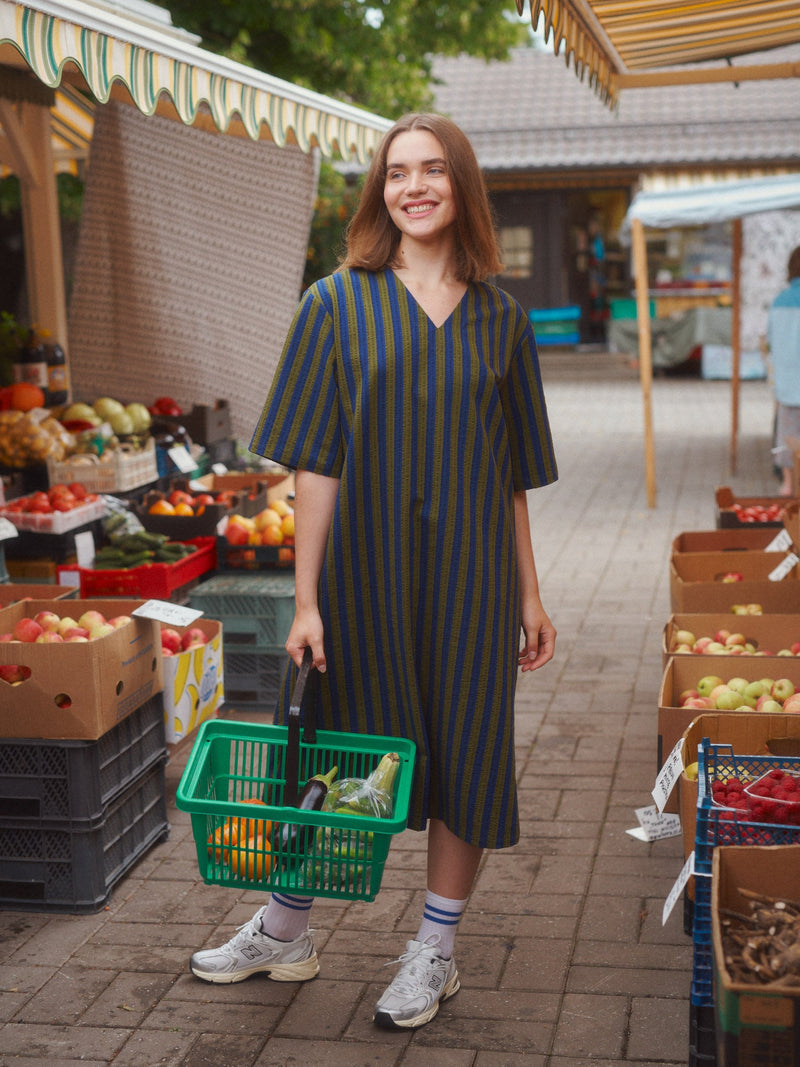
point(75, 44)
point(637, 43)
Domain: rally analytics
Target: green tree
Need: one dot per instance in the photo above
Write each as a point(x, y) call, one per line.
point(376, 54)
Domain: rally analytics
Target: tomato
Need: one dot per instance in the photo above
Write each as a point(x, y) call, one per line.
point(78, 489)
point(180, 496)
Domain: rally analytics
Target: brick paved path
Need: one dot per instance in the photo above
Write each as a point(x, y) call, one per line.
point(562, 953)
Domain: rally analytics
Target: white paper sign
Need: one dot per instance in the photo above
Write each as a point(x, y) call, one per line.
point(182, 459)
point(84, 548)
point(7, 530)
point(70, 578)
point(168, 613)
point(668, 775)
point(219, 468)
point(782, 542)
point(785, 567)
point(653, 825)
point(686, 873)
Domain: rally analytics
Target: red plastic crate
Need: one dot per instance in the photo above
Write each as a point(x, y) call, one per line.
point(150, 580)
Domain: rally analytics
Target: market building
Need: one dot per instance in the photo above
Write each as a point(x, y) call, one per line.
point(563, 166)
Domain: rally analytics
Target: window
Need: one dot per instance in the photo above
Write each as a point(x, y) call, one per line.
point(516, 243)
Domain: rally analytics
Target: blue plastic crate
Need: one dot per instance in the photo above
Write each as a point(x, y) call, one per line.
point(560, 314)
point(725, 826)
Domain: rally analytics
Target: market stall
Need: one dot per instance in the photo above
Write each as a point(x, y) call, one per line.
point(709, 202)
point(196, 240)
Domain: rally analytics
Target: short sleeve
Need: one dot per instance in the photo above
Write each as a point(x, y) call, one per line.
point(533, 461)
point(299, 426)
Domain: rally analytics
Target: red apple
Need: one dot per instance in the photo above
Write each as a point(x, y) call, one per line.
point(192, 638)
point(91, 618)
point(26, 629)
point(11, 673)
point(119, 620)
point(792, 703)
point(76, 633)
point(48, 620)
point(732, 576)
point(170, 640)
point(49, 637)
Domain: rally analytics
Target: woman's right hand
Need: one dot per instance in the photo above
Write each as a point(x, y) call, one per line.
point(307, 632)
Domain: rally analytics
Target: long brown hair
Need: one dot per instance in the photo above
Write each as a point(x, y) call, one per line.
point(373, 238)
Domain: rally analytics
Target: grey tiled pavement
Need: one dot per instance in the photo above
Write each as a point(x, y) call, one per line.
point(562, 953)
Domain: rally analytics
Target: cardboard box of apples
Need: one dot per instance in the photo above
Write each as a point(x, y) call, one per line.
point(696, 685)
point(72, 669)
point(193, 676)
point(719, 581)
point(731, 635)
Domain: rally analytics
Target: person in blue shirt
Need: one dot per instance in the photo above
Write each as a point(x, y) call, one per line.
point(783, 333)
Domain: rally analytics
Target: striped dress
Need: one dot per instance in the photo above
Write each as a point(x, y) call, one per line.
point(430, 431)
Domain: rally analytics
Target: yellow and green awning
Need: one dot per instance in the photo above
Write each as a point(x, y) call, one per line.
point(157, 68)
point(632, 43)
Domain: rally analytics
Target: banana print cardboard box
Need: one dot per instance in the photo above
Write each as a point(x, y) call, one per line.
point(193, 676)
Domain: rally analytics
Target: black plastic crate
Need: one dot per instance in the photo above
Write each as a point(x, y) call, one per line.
point(76, 780)
point(73, 868)
point(253, 678)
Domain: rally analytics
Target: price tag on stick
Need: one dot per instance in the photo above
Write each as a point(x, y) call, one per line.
point(668, 775)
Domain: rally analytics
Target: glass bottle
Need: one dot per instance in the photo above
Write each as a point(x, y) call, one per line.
point(56, 392)
point(31, 365)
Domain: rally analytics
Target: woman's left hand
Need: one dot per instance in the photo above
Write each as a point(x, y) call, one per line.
point(540, 641)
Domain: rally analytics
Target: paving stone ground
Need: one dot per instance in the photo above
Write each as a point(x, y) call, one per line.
point(563, 956)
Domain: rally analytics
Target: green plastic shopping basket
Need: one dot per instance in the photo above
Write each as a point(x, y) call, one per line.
point(233, 766)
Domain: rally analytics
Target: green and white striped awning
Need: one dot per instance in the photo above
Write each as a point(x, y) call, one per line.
point(160, 70)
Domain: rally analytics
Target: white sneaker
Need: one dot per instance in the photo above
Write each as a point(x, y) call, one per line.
point(423, 982)
point(250, 951)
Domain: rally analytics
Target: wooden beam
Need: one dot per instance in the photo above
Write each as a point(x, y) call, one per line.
point(754, 72)
point(736, 298)
point(645, 354)
point(44, 263)
point(17, 151)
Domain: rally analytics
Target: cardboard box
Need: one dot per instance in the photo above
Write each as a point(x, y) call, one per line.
point(79, 691)
point(696, 586)
point(193, 682)
point(727, 515)
point(750, 734)
point(11, 592)
point(683, 672)
point(741, 538)
point(769, 633)
point(756, 1026)
point(40, 570)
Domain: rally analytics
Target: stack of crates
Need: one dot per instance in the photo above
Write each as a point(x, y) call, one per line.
point(256, 612)
point(75, 816)
point(721, 826)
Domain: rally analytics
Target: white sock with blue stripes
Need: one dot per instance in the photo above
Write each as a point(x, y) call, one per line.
point(286, 917)
point(441, 916)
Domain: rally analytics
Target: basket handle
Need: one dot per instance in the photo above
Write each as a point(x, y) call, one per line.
point(306, 686)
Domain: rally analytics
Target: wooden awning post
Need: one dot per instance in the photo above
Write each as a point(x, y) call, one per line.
point(645, 354)
point(736, 355)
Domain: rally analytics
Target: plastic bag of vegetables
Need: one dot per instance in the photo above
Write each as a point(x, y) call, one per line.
point(371, 796)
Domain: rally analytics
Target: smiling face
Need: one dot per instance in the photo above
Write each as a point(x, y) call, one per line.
point(417, 190)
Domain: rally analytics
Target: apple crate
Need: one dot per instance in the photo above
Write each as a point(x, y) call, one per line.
point(256, 610)
point(75, 780)
point(253, 557)
point(737, 512)
point(72, 865)
point(118, 470)
point(205, 423)
point(13, 592)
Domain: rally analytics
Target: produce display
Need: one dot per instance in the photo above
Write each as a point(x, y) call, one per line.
point(274, 525)
point(58, 497)
point(758, 512)
point(184, 502)
point(726, 643)
point(772, 798)
point(173, 643)
point(762, 948)
point(769, 695)
point(32, 437)
point(48, 627)
point(129, 545)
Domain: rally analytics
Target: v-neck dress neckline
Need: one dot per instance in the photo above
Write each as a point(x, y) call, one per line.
point(401, 285)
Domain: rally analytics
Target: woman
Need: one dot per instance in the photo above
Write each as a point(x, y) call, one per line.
point(409, 401)
point(784, 344)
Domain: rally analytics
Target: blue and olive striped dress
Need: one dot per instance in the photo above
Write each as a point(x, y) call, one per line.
point(431, 430)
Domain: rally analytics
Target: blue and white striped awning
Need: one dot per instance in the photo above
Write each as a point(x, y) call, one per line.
point(160, 70)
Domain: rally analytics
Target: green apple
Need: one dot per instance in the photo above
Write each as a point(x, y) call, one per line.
point(707, 683)
point(737, 683)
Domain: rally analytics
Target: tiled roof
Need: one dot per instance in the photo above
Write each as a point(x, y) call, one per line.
point(533, 113)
